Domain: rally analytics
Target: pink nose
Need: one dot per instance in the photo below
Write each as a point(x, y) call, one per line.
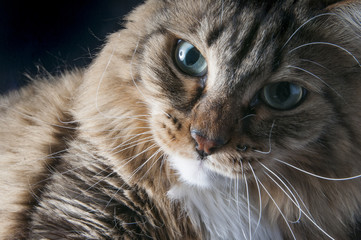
point(205, 146)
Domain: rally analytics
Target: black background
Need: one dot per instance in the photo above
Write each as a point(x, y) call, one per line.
point(52, 36)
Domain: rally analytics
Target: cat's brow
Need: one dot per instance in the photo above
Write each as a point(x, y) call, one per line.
point(215, 34)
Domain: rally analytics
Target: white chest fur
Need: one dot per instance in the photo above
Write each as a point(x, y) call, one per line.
point(220, 210)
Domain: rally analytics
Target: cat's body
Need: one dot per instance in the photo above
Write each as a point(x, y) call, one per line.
point(142, 145)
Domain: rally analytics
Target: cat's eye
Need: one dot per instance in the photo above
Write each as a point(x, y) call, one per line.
point(190, 60)
point(283, 95)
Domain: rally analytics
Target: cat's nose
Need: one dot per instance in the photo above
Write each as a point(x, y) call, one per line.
point(205, 146)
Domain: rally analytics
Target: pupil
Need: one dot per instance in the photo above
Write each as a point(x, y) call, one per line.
point(283, 92)
point(192, 57)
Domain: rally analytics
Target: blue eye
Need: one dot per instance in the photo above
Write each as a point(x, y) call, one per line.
point(190, 60)
point(283, 95)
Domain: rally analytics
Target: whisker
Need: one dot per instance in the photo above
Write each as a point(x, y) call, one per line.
point(98, 118)
point(295, 201)
point(293, 198)
point(238, 204)
point(298, 195)
point(260, 198)
point(315, 63)
point(329, 44)
point(161, 156)
point(51, 155)
point(137, 143)
point(161, 166)
point(269, 141)
point(242, 169)
point(314, 75)
point(37, 119)
point(247, 116)
point(316, 225)
point(278, 208)
point(127, 161)
point(61, 173)
point(318, 176)
point(131, 137)
point(305, 214)
point(309, 20)
point(142, 165)
point(249, 212)
point(146, 150)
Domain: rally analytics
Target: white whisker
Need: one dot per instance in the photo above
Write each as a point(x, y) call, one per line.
point(278, 208)
point(131, 137)
point(315, 63)
point(316, 225)
point(127, 161)
point(298, 195)
point(295, 201)
point(247, 116)
point(259, 197)
point(318, 176)
point(314, 75)
point(329, 44)
point(141, 166)
point(155, 162)
point(309, 20)
point(293, 198)
point(51, 155)
point(249, 211)
point(269, 141)
point(136, 143)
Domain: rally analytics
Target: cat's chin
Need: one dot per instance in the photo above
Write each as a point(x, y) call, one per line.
point(192, 171)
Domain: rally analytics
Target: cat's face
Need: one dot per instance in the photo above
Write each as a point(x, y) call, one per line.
point(236, 87)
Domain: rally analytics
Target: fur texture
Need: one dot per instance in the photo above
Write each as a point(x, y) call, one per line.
point(135, 147)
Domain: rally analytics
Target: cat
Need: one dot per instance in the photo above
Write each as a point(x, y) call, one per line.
point(201, 119)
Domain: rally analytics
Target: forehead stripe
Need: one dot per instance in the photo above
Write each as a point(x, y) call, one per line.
point(215, 34)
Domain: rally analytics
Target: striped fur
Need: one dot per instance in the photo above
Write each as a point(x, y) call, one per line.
point(107, 152)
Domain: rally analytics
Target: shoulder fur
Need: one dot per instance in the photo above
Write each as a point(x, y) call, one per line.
point(30, 137)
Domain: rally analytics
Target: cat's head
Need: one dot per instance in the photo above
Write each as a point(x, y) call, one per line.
point(235, 87)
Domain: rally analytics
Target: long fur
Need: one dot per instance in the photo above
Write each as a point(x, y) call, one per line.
point(107, 152)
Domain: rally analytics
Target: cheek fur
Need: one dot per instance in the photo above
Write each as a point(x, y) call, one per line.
point(172, 133)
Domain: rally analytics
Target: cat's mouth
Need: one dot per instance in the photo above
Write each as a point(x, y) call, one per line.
point(207, 171)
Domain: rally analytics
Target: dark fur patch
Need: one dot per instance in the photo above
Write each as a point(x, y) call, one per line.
point(215, 34)
point(356, 233)
point(247, 43)
point(64, 131)
point(93, 202)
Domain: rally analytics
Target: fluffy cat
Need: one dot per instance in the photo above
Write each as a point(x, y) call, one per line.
point(201, 119)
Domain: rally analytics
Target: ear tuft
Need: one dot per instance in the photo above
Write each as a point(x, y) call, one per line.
point(328, 4)
point(336, 4)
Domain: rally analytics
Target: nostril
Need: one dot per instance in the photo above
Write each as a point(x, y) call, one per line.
point(205, 146)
